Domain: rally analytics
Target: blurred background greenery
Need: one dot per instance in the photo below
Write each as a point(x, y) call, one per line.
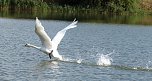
point(113, 11)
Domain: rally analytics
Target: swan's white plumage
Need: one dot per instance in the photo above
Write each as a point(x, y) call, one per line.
point(57, 39)
point(47, 44)
point(45, 39)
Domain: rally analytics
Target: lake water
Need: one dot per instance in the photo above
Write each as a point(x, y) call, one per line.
point(129, 46)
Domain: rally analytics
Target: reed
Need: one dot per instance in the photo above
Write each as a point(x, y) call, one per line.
point(23, 4)
point(99, 6)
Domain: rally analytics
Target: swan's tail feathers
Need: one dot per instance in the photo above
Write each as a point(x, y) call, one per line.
point(72, 25)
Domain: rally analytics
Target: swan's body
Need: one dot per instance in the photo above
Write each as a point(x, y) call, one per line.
point(50, 47)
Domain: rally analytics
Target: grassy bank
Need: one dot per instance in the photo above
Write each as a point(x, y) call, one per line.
point(22, 4)
point(105, 12)
point(92, 6)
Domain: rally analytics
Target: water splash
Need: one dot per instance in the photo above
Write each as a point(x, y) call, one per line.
point(73, 60)
point(148, 65)
point(79, 61)
point(94, 57)
point(105, 60)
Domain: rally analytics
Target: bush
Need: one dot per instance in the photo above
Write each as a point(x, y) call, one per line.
point(110, 6)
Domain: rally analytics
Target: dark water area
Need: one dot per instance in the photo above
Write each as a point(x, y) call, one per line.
point(81, 15)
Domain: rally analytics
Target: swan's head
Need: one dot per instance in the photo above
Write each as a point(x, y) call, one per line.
point(28, 45)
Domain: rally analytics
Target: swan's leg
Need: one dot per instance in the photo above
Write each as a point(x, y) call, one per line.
point(50, 54)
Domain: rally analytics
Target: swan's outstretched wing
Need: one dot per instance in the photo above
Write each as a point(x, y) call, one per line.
point(45, 39)
point(57, 39)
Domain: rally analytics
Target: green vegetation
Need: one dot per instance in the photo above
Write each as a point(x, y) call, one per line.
point(22, 3)
point(110, 6)
point(107, 11)
point(146, 5)
point(102, 6)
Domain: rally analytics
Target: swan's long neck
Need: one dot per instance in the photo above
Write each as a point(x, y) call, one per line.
point(38, 48)
point(33, 46)
point(53, 52)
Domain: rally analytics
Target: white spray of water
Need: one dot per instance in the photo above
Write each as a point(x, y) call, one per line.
point(148, 65)
point(79, 61)
point(73, 60)
point(102, 59)
point(105, 60)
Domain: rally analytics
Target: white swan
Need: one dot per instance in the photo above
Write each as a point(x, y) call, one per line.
point(50, 47)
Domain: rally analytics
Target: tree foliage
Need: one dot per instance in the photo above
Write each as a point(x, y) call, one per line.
point(113, 6)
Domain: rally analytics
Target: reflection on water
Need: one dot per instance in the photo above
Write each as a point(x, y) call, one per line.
point(48, 64)
point(46, 68)
point(81, 15)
